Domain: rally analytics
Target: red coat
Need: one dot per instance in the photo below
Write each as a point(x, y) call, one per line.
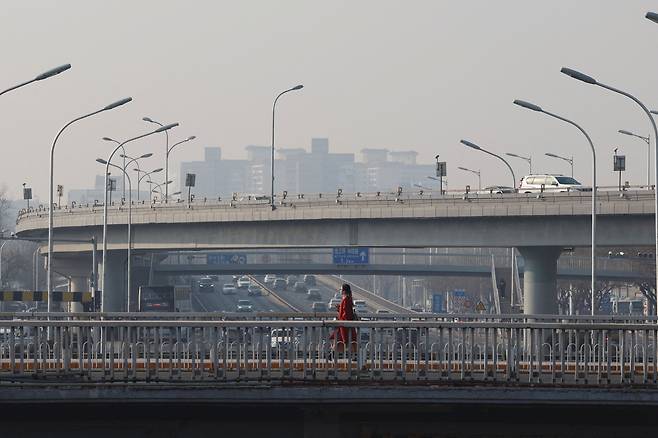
point(346, 313)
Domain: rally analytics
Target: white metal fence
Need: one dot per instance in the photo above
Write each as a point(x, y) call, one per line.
point(439, 348)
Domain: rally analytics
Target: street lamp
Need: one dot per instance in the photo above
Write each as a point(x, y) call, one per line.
point(526, 159)
point(150, 120)
point(107, 169)
point(534, 107)
point(42, 76)
point(130, 221)
point(295, 88)
point(476, 147)
point(568, 160)
point(652, 16)
point(192, 137)
point(477, 172)
point(123, 184)
point(111, 106)
point(133, 160)
point(647, 140)
point(140, 178)
point(590, 80)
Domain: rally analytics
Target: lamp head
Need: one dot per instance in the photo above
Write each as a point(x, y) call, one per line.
point(113, 105)
point(146, 155)
point(511, 155)
point(548, 154)
point(148, 119)
point(652, 16)
point(528, 105)
point(159, 169)
point(625, 132)
point(100, 160)
point(52, 72)
point(297, 87)
point(578, 75)
point(190, 138)
point(110, 139)
point(469, 144)
point(166, 127)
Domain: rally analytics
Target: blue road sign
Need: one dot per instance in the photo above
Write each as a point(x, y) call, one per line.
point(226, 259)
point(351, 256)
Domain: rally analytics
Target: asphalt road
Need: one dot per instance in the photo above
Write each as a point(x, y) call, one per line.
point(218, 302)
point(300, 300)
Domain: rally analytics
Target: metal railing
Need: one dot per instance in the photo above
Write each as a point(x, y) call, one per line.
point(576, 352)
point(417, 198)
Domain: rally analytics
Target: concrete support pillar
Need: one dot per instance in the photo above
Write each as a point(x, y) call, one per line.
point(114, 292)
point(78, 284)
point(539, 279)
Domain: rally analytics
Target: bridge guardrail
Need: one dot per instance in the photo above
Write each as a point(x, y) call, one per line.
point(605, 194)
point(556, 353)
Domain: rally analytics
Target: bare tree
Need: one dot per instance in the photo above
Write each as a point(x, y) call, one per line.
point(580, 294)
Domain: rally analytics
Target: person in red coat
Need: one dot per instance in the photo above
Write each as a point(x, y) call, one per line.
point(343, 335)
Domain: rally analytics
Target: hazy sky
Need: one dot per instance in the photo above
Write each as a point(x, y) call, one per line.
point(401, 75)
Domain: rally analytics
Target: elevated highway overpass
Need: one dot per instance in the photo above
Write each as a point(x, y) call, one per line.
point(539, 226)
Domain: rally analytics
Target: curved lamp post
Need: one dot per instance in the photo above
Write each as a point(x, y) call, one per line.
point(476, 147)
point(526, 159)
point(190, 138)
point(647, 140)
point(590, 80)
point(150, 120)
point(133, 160)
point(130, 221)
point(107, 169)
point(534, 107)
point(123, 184)
point(50, 192)
point(42, 76)
point(477, 172)
point(568, 160)
point(159, 186)
point(295, 88)
point(140, 178)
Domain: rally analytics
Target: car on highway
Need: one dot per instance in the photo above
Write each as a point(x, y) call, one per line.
point(334, 303)
point(309, 280)
point(319, 306)
point(291, 280)
point(551, 183)
point(245, 306)
point(360, 306)
point(228, 289)
point(254, 290)
point(244, 282)
point(313, 294)
point(300, 287)
point(382, 312)
point(279, 284)
point(206, 284)
point(496, 190)
point(269, 279)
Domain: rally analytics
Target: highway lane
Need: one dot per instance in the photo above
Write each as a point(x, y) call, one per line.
point(301, 302)
point(218, 302)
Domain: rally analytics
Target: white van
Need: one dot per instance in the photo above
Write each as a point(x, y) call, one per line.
point(551, 183)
